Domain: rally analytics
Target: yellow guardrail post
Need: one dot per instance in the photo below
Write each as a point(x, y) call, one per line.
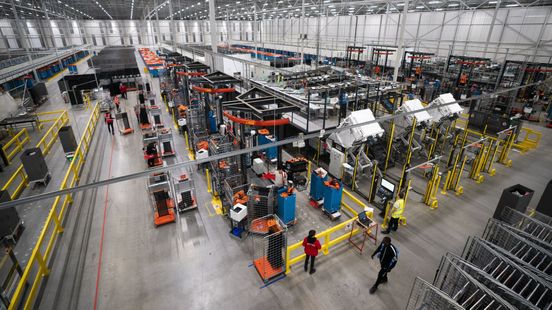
point(445, 185)
point(389, 144)
point(19, 139)
point(459, 189)
point(208, 178)
point(372, 184)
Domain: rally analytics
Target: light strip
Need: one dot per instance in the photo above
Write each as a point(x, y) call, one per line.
point(72, 8)
point(101, 7)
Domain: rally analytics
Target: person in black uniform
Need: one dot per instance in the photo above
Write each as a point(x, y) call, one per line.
point(388, 256)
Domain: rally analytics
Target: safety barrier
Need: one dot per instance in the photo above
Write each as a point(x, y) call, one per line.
point(18, 141)
point(19, 180)
point(529, 141)
point(326, 236)
point(42, 252)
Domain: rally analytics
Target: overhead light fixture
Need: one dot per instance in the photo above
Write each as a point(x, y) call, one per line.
point(434, 2)
point(492, 2)
point(419, 7)
point(452, 5)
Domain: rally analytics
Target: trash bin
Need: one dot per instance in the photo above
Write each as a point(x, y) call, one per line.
point(516, 197)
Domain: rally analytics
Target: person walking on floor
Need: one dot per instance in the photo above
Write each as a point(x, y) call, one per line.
point(396, 212)
point(311, 245)
point(117, 103)
point(109, 122)
point(123, 90)
point(388, 256)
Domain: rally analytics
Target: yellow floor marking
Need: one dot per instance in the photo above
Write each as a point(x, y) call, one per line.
point(217, 205)
point(209, 210)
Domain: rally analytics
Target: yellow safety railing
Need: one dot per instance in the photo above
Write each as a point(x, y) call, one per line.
point(19, 180)
point(50, 137)
point(17, 142)
point(327, 242)
point(42, 252)
point(327, 237)
point(42, 121)
point(530, 140)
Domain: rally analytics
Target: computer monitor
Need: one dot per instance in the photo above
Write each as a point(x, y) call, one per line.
point(388, 185)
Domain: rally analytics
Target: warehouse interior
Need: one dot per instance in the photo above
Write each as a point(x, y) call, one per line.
point(155, 154)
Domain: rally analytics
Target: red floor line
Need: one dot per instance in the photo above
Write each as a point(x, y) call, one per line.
point(103, 229)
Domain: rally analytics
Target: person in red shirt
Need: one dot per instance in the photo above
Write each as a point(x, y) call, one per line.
point(109, 122)
point(311, 245)
point(123, 90)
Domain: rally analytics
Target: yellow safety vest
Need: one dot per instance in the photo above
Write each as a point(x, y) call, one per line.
point(398, 209)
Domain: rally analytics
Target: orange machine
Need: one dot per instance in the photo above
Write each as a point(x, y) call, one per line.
point(240, 197)
point(163, 209)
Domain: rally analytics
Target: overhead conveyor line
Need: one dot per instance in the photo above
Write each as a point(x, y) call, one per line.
point(213, 90)
point(189, 163)
point(257, 123)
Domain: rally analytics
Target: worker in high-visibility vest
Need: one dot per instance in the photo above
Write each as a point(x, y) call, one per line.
point(396, 212)
point(463, 79)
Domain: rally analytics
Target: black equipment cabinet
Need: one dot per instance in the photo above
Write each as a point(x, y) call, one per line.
point(9, 219)
point(67, 139)
point(545, 203)
point(516, 197)
point(34, 164)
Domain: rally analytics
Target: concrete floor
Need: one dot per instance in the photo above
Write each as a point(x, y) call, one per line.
point(112, 257)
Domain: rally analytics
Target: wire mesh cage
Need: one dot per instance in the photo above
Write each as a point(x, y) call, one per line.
point(225, 167)
point(541, 217)
point(260, 204)
point(269, 248)
point(235, 191)
point(491, 283)
point(519, 232)
point(528, 224)
point(195, 118)
point(520, 247)
point(466, 290)
point(425, 296)
point(507, 272)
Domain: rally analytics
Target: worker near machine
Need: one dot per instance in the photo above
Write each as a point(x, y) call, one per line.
point(109, 122)
point(123, 90)
point(182, 125)
point(388, 256)
point(151, 151)
point(311, 245)
point(117, 103)
point(396, 212)
point(343, 102)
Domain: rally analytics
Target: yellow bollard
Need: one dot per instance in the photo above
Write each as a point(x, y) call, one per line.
point(208, 178)
point(386, 216)
point(447, 178)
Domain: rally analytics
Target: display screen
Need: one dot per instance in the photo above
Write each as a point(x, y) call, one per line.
point(387, 185)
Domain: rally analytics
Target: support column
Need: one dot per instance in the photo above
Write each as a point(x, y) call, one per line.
point(491, 27)
point(20, 30)
point(400, 50)
point(214, 40)
point(157, 25)
point(171, 27)
point(541, 33)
